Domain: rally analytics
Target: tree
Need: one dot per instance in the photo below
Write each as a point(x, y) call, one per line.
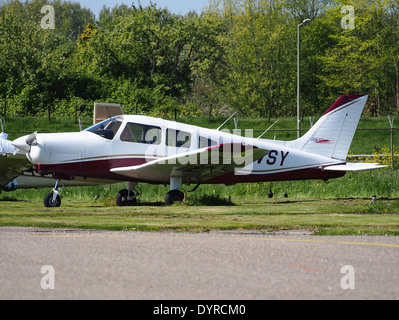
point(259, 78)
point(359, 62)
point(307, 9)
point(36, 64)
point(149, 52)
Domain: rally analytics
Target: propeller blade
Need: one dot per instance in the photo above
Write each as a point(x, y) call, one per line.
point(31, 139)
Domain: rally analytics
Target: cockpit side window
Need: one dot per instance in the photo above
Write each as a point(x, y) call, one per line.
point(178, 139)
point(140, 133)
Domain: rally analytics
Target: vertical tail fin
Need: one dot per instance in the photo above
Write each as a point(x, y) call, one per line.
point(332, 135)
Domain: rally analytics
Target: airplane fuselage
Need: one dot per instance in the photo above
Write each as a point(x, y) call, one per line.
point(136, 140)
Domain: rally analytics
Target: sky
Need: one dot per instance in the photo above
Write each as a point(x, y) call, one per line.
point(174, 6)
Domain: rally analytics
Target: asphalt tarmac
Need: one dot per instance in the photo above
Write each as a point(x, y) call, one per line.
point(76, 264)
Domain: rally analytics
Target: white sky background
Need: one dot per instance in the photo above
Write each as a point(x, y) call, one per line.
point(174, 6)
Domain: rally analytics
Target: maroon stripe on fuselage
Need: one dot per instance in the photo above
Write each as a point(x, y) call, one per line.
point(101, 169)
point(300, 174)
point(93, 169)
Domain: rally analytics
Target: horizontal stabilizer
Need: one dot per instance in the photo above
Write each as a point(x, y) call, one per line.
point(355, 167)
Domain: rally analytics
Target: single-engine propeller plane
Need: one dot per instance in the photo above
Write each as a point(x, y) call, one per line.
point(140, 149)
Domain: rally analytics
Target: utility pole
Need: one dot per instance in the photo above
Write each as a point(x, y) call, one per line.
point(392, 154)
point(298, 93)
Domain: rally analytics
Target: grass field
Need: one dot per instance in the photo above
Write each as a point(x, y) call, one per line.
point(323, 217)
point(343, 207)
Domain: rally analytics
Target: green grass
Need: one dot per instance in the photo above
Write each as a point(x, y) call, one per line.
point(383, 183)
point(342, 207)
point(26, 125)
point(331, 216)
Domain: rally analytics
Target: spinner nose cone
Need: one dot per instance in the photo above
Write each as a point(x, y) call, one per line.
point(24, 143)
point(21, 144)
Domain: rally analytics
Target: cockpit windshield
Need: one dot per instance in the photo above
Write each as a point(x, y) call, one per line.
point(108, 128)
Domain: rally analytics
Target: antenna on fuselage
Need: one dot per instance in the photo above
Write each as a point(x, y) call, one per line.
point(226, 121)
point(267, 130)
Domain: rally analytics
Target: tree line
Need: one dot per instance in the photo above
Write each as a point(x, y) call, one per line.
point(236, 55)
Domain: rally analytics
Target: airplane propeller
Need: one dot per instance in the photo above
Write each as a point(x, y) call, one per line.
point(24, 143)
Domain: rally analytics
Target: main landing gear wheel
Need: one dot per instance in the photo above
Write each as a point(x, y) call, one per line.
point(174, 196)
point(50, 202)
point(124, 199)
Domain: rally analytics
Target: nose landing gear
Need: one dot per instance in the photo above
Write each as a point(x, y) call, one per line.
point(128, 197)
point(53, 200)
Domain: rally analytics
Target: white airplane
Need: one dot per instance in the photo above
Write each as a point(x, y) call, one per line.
point(140, 149)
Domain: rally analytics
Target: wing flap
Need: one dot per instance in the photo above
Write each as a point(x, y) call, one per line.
point(195, 166)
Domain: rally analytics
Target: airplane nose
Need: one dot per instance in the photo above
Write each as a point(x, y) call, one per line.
point(24, 143)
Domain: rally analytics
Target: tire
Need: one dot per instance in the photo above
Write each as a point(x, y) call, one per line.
point(174, 196)
point(122, 201)
point(49, 203)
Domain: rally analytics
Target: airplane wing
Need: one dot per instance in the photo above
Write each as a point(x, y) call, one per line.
point(12, 166)
point(196, 166)
point(12, 162)
point(355, 167)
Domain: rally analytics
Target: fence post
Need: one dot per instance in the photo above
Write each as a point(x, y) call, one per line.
point(235, 125)
point(311, 121)
point(391, 125)
point(5, 110)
